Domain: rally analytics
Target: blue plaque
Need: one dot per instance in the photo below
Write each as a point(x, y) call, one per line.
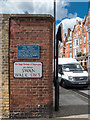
point(28, 51)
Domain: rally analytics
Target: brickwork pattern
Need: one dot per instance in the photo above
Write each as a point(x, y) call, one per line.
point(4, 66)
point(1, 16)
point(28, 97)
point(32, 97)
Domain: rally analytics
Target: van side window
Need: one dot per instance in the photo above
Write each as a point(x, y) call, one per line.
point(59, 68)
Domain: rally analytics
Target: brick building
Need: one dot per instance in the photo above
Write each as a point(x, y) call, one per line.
point(68, 49)
point(75, 44)
point(30, 93)
point(66, 45)
point(80, 42)
point(61, 51)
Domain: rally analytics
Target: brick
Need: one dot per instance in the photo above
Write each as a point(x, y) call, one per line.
point(4, 67)
point(37, 34)
point(26, 94)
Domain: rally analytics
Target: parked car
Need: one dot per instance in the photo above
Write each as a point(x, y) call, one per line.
point(71, 73)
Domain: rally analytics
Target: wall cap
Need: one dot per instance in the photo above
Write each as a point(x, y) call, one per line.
point(29, 16)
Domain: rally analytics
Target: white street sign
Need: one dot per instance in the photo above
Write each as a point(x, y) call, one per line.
point(27, 69)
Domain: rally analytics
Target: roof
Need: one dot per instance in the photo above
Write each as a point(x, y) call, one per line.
point(66, 60)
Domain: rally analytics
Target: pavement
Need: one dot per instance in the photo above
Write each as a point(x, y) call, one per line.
point(72, 106)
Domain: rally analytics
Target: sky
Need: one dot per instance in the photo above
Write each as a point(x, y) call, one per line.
point(76, 11)
point(67, 11)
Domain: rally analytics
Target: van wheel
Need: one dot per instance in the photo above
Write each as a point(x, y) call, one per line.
point(63, 84)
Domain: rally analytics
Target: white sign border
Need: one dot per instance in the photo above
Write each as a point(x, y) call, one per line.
point(28, 77)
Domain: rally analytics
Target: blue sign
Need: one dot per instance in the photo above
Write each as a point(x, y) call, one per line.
point(28, 51)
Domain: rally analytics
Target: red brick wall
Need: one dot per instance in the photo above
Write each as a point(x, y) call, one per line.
point(32, 97)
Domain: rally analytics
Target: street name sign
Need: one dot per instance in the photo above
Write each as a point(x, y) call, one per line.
point(27, 69)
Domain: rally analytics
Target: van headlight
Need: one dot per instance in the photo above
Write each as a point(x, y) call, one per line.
point(71, 78)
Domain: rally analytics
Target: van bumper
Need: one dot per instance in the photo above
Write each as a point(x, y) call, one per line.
point(77, 84)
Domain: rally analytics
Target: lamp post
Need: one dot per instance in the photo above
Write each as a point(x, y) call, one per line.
point(56, 83)
point(54, 79)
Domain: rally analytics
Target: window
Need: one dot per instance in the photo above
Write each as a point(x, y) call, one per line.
point(70, 54)
point(67, 55)
point(73, 42)
point(85, 39)
point(70, 46)
point(77, 51)
point(72, 67)
point(59, 68)
point(77, 34)
point(81, 50)
point(76, 42)
point(85, 49)
point(67, 47)
point(86, 27)
point(61, 50)
point(73, 52)
point(81, 41)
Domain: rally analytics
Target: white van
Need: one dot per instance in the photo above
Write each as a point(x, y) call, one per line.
point(71, 73)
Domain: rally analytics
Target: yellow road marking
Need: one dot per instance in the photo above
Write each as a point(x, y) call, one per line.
point(80, 95)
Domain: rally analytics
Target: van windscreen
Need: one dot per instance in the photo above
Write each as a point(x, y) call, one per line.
point(72, 67)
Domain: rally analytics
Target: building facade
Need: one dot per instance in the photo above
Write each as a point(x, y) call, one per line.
point(75, 44)
point(61, 51)
point(65, 50)
point(80, 42)
point(68, 50)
